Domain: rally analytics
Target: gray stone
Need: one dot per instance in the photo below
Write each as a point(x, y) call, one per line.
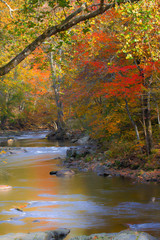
point(109, 176)
point(77, 152)
point(100, 170)
point(65, 172)
point(57, 135)
point(36, 221)
point(71, 153)
point(84, 140)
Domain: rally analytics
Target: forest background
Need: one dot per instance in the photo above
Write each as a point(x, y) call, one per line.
point(97, 70)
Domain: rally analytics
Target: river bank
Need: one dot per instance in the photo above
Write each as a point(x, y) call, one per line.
point(90, 159)
point(88, 156)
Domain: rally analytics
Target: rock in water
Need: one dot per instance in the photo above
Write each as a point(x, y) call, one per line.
point(63, 173)
point(53, 172)
point(57, 135)
point(58, 234)
point(10, 142)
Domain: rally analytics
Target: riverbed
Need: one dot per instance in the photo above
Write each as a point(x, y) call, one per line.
point(85, 203)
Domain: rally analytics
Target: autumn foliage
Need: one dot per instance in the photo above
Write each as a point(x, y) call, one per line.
point(107, 74)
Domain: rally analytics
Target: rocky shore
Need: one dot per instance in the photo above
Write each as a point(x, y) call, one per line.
point(87, 158)
point(60, 234)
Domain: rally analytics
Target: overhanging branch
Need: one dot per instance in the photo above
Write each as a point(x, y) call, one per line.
point(69, 22)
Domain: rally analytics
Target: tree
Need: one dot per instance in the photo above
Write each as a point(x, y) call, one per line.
point(13, 92)
point(139, 38)
point(104, 69)
point(56, 84)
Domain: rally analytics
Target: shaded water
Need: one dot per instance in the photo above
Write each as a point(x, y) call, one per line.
point(84, 203)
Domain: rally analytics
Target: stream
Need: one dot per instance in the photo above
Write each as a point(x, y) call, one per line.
point(84, 203)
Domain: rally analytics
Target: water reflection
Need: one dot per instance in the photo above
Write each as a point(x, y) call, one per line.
point(85, 203)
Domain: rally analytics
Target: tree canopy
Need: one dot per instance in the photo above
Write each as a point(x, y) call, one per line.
point(30, 8)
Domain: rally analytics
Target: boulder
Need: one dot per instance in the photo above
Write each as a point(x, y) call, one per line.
point(100, 170)
point(124, 235)
point(77, 152)
point(57, 135)
point(63, 173)
point(84, 140)
point(72, 152)
point(58, 234)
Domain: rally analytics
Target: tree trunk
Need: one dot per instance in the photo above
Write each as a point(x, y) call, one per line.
point(3, 122)
point(147, 122)
point(146, 115)
point(157, 109)
point(158, 117)
point(56, 80)
point(132, 121)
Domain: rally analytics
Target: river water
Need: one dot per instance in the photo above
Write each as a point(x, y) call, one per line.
point(84, 203)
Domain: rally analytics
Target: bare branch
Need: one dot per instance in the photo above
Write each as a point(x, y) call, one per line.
point(10, 9)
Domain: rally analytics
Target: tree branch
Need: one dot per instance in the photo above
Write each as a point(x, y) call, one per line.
point(10, 9)
point(101, 4)
point(69, 22)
